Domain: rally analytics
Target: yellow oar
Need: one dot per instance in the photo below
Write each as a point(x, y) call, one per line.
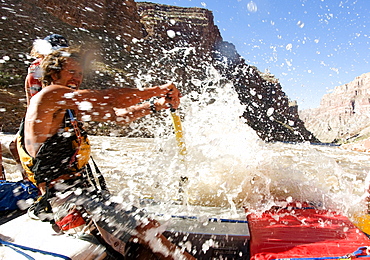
point(362, 222)
point(176, 120)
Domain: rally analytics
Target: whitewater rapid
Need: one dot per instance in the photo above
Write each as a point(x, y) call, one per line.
point(226, 164)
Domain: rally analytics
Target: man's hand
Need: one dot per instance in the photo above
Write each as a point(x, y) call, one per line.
point(173, 95)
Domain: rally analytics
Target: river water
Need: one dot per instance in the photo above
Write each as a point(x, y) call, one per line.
point(227, 165)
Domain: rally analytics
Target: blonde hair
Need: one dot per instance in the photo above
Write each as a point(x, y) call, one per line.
point(34, 53)
point(54, 62)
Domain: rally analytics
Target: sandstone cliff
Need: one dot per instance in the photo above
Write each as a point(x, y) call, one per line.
point(343, 114)
point(147, 43)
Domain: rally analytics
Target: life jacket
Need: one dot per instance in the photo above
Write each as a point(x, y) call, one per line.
point(64, 154)
point(34, 77)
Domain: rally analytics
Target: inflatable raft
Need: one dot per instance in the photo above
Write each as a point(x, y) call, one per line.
point(299, 231)
point(305, 232)
point(25, 238)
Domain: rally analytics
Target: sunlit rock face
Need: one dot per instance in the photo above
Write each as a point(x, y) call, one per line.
point(116, 17)
point(141, 44)
point(343, 114)
point(183, 26)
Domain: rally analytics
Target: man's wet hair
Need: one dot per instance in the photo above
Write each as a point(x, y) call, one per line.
point(54, 62)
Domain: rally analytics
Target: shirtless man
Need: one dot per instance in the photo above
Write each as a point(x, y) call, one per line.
point(46, 143)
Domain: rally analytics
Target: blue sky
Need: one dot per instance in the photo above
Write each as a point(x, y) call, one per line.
point(311, 46)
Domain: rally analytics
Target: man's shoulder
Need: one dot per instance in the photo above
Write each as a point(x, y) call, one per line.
point(56, 87)
point(56, 92)
point(53, 97)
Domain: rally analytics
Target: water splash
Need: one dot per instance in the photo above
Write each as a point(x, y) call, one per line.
point(252, 7)
point(228, 166)
point(42, 47)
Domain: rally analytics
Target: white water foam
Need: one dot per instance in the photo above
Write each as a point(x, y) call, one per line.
point(228, 166)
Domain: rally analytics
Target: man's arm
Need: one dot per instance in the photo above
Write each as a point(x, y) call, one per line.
point(27, 90)
point(115, 104)
point(126, 97)
point(130, 114)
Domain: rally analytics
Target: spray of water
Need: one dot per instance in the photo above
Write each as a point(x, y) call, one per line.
point(42, 47)
point(228, 166)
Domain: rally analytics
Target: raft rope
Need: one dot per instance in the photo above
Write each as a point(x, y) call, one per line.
point(209, 219)
point(362, 251)
point(16, 246)
point(100, 176)
point(213, 219)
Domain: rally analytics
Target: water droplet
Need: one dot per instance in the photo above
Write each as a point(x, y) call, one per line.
point(85, 106)
point(270, 111)
point(300, 24)
point(171, 34)
point(252, 7)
